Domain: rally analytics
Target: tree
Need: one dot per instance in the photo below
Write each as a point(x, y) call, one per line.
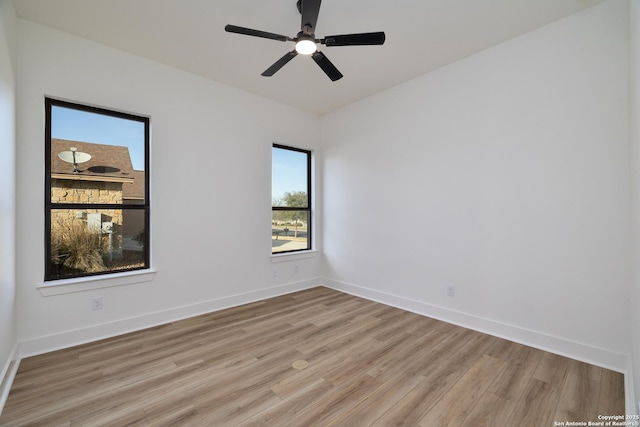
point(296, 199)
point(277, 216)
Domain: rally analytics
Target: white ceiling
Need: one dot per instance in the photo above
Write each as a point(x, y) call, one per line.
point(422, 35)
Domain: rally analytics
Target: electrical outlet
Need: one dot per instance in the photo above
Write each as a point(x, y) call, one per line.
point(274, 273)
point(451, 291)
point(296, 269)
point(96, 303)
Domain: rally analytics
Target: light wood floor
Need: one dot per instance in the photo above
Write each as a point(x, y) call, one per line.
point(369, 365)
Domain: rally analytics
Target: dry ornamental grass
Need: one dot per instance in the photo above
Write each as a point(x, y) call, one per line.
point(74, 247)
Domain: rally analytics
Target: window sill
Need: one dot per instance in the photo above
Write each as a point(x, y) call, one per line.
point(82, 284)
point(293, 256)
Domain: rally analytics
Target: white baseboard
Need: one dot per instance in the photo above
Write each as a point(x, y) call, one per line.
point(8, 374)
point(71, 338)
point(629, 392)
point(579, 351)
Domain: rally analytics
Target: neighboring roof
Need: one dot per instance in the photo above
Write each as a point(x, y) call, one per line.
point(136, 189)
point(107, 163)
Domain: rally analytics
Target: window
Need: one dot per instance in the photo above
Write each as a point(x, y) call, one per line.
point(96, 191)
point(291, 199)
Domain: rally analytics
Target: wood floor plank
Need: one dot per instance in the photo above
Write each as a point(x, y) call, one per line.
point(368, 364)
point(320, 362)
point(457, 403)
point(234, 408)
point(173, 416)
point(408, 359)
point(579, 399)
point(379, 401)
point(490, 411)
point(364, 360)
point(334, 334)
point(611, 393)
point(521, 365)
point(280, 413)
point(441, 368)
point(552, 369)
point(535, 405)
point(333, 405)
point(409, 410)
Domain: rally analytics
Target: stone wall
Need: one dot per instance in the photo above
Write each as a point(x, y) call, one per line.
point(77, 191)
point(72, 191)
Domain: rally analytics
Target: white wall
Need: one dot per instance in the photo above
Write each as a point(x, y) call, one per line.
point(7, 191)
point(634, 138)
point(210, 189)
point(505, 174)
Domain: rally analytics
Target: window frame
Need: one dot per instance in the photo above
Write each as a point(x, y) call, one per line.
point(49, 206)
point(309, 207)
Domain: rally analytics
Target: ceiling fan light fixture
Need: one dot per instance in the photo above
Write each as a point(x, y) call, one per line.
point(306, 46)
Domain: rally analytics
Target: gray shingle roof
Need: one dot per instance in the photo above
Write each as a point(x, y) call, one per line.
point(107, 162)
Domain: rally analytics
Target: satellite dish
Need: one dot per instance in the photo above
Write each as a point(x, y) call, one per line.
point(74, 156)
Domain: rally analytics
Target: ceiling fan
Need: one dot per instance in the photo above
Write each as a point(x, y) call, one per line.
point(306, 40)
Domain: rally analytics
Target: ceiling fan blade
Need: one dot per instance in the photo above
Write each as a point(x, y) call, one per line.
point(327, 66)
point(256, 33)
point(279, 63)
point(310, 10)
point(355, 39)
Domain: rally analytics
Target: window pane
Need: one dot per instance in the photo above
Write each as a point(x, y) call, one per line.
point(289, 180)
point(93, 241)
point(96, 158)
point(289, 231)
